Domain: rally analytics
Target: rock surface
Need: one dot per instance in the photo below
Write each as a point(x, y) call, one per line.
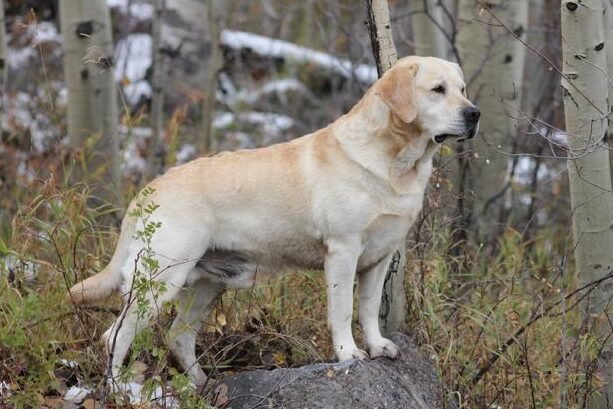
point(408, 382)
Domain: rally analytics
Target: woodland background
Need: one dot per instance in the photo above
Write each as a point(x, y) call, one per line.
point(507, 279)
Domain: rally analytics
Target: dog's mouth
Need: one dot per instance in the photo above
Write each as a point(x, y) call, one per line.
point(443, 137)
point(469, 134)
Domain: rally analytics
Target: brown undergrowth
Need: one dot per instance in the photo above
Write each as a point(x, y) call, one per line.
point(505, 329)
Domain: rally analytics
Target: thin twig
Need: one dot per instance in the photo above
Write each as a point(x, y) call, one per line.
point(494, 356)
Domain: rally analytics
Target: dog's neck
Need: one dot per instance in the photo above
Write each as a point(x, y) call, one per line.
point(380, 142)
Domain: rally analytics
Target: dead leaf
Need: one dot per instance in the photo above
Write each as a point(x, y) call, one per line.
point(221, 395)
point(221, 319)
point(138, 368)
point(89, 404)
point(279, 358)
point(53, 402)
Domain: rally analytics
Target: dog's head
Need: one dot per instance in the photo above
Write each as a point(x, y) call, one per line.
point(431, 93)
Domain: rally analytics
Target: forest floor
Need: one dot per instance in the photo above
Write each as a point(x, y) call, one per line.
point(503, 327)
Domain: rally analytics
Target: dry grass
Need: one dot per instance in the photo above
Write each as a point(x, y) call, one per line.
point(464, 318)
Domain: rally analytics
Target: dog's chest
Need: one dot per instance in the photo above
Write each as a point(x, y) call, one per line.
point(385, 234)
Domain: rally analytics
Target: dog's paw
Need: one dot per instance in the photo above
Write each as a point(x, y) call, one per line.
point(384, 348)
point(345, 354)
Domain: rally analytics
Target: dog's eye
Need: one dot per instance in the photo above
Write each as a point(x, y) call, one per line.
point(463, 90)
point(439, 89)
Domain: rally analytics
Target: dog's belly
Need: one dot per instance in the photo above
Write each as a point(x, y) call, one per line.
point(240, 267)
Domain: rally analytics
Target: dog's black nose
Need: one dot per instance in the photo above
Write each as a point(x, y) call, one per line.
point(471, 114)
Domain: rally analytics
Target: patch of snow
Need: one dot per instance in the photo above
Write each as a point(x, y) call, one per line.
point(139, 11)
point(555, 136)
point(186, 153)
point(133, 56)
point(559, 137)
point(19, 107)
point(62, 97)
point(36, 33)
point(223, 120)
point(238, 140)
point(25, 113)
point(226, 91)
point(142, 11)
point(135, 141)
point(132, 60)
point(77, 394)
point(117, 3)
point(133, 162)
point(280, 86)
point(69, 363)
point(270, 122)
point(135, 393)
point(5, 389)
point(278, 48)
point(134, 91)
point(18, 57)
point(272, 125)
point(226, 83)
point(141, 132)
point(525, 167)
point(44, 32)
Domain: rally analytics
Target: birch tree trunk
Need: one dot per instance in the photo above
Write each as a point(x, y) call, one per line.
point(427, 21)
point(608, 26)
point(2, 63)
point(214, 16)
point(3, 69)
point(92, 95)
point(190, 49)
point(393, 308)
point(155, 155)
point(585, 91)
point(493, 62)
point(381, 38)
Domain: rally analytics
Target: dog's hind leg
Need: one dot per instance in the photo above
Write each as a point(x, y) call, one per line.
point(136, 316)
point(195, 304)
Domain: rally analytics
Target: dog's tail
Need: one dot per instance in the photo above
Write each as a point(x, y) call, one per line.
point(101, 285)
point(96, 287)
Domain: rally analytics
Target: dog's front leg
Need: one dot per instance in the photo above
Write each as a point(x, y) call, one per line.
point(340, 266)
point(371, 286)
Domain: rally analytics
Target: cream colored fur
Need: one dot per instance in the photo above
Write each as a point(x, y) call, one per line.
point(340, 199)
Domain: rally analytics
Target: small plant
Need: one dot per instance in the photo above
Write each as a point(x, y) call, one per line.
point(144, 282)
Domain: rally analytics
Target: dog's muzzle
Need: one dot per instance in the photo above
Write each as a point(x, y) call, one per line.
point(471, 117)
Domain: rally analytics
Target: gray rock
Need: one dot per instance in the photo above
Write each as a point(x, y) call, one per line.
point(407, 382)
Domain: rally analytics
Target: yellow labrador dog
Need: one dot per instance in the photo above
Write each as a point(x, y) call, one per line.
point(340, 199)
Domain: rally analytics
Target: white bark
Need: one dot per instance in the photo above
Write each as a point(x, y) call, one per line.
point(185, 36)
point(585, 93)
point(156, 152)
point(92, 94)
point(427, 21)
point(608, 26)
point(493, 62)
point(393, 309)
point(190, 51)
point(381, 35)
point(214, 17)
point(3, 76)
point(3, 69)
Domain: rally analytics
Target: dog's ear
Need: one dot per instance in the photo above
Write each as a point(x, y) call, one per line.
point(397, 89)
